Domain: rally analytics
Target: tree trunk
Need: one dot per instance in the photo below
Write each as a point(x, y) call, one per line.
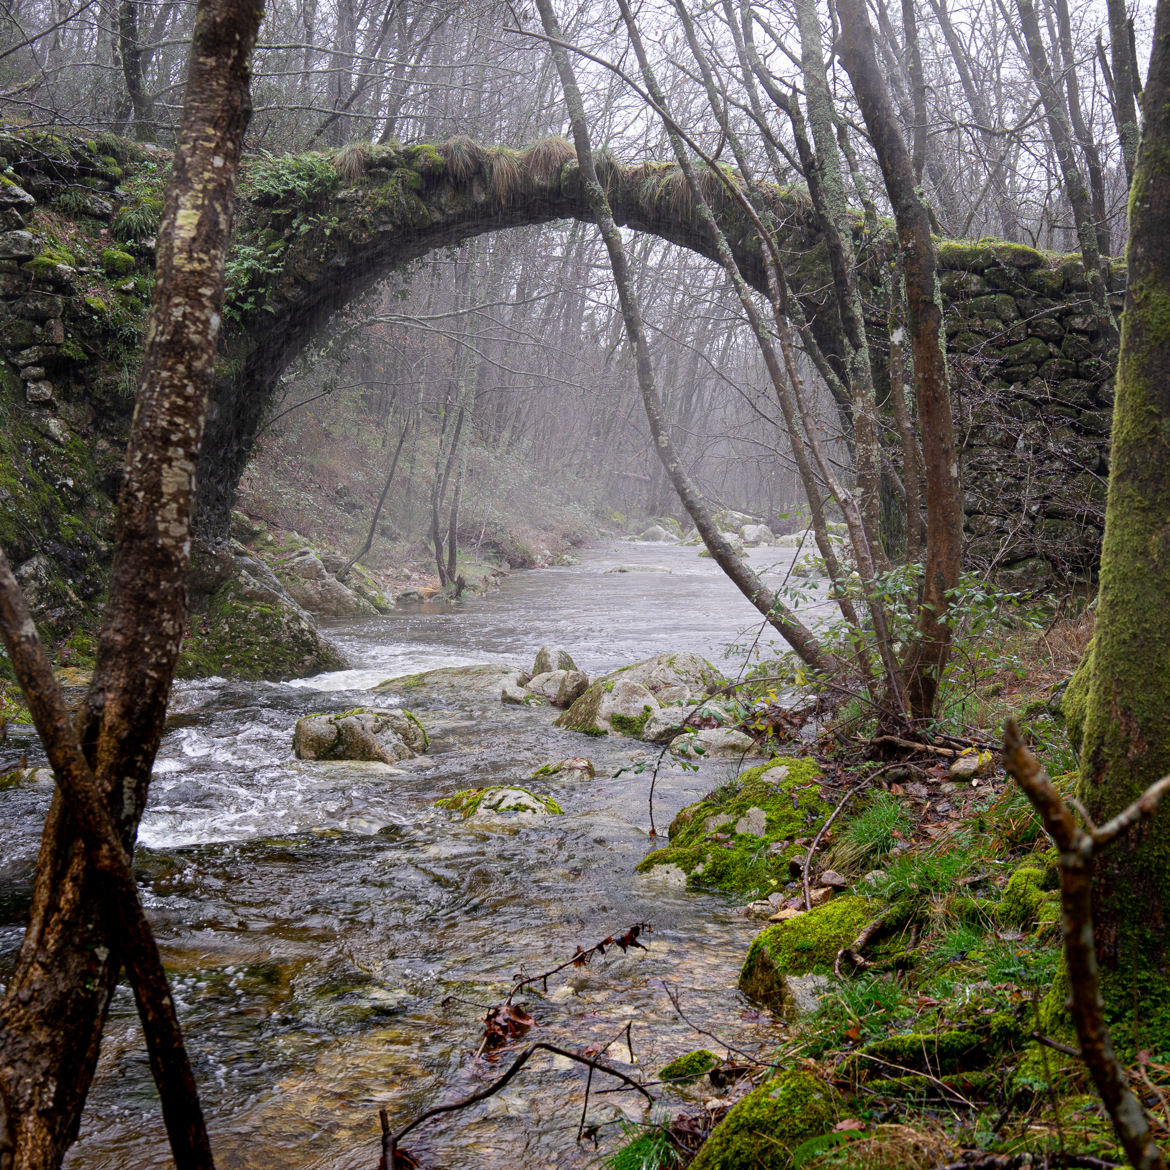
point(1125, 83)
point(944, 518)
point(1122, 688)
point(781, 618)
point(56, 1001)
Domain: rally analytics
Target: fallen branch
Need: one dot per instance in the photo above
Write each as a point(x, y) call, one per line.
point(1077, 847)
point(820, 834)
point(852, 952)
point(394, 1159)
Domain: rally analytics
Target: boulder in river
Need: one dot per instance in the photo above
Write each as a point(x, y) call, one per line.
point(364, 733)
point(656, 534)
point(757, 534)
point(573, 768)
point(714, 743)
point(559, 687)
point(612, 706)
point(499, 798)
point(450, 685)
point(665, 671)
point(733, 539)
point(552, 658)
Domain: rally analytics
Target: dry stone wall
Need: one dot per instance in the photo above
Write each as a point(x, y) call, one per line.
point(1035, 384)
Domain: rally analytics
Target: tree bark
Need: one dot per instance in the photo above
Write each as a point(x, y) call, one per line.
point(927, 659)
point(781, 618)
point(1125, 697)
point(56, 1001)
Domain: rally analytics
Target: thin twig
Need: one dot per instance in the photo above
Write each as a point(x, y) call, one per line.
point(820, 834)
point(390, 1144)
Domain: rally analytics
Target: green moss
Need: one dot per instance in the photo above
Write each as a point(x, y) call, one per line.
point(631, 725)
point(117, 263)
point(712, 841)
point(800, 946)
point(690, 1066)
point(468, 800)
point(240, 637)
point(931, 1052)
point(964, 255)
point(764, 1128)
point(1020, 905)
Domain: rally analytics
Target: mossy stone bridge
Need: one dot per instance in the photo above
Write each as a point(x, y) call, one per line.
point(314, 231)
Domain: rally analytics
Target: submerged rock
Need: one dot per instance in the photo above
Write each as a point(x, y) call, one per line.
point(364, 733)
point(741, 837)
point(499, 799)
point(573, 768)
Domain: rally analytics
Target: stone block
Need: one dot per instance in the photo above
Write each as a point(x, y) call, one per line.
point(18, 245)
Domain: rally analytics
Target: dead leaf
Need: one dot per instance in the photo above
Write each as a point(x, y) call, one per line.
point(848, 1123)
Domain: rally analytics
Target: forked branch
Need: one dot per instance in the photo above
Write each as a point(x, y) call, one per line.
point(1077, 846)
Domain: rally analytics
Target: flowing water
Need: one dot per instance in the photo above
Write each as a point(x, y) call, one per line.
point(334, 939)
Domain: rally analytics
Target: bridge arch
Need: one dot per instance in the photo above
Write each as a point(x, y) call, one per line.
point(1034, 385)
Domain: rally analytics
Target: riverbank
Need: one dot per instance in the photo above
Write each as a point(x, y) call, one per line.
point(336, 935)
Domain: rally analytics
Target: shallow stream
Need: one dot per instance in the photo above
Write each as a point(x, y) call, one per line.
point(334, 939)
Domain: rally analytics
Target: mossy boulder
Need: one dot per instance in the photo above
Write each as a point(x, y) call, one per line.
point(117, 263)
point(802, 946)
point(668, 676)
point(245, 630)
point(611, 707)
point(552, 658)
point(499, 798)
point(936, 1053)
point(689, 1067)
point(763, 1130)
point(740, 837)
point(365, 733)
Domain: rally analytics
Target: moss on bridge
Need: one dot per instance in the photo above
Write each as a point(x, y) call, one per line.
point(314, 230)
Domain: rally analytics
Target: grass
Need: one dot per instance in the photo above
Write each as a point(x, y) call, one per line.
point(871, 834)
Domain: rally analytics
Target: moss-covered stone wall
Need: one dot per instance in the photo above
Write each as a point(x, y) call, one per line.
point(77, 218)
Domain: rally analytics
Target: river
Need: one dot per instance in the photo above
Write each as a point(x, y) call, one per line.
point(334, 939)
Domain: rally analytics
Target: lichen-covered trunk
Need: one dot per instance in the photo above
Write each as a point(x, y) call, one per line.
point(944, 517)
point(1126, 729)
point(55, 1005)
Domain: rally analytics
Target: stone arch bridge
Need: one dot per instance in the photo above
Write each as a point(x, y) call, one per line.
point(1034, 380)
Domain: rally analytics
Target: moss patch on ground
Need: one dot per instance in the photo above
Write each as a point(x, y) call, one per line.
point(740, 837)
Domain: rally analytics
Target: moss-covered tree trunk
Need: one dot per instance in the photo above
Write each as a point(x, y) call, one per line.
point(1125, 684)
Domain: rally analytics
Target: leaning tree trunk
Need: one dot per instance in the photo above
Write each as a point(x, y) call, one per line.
point(944, 520)
point(1123, 687)
point(55, 1006)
